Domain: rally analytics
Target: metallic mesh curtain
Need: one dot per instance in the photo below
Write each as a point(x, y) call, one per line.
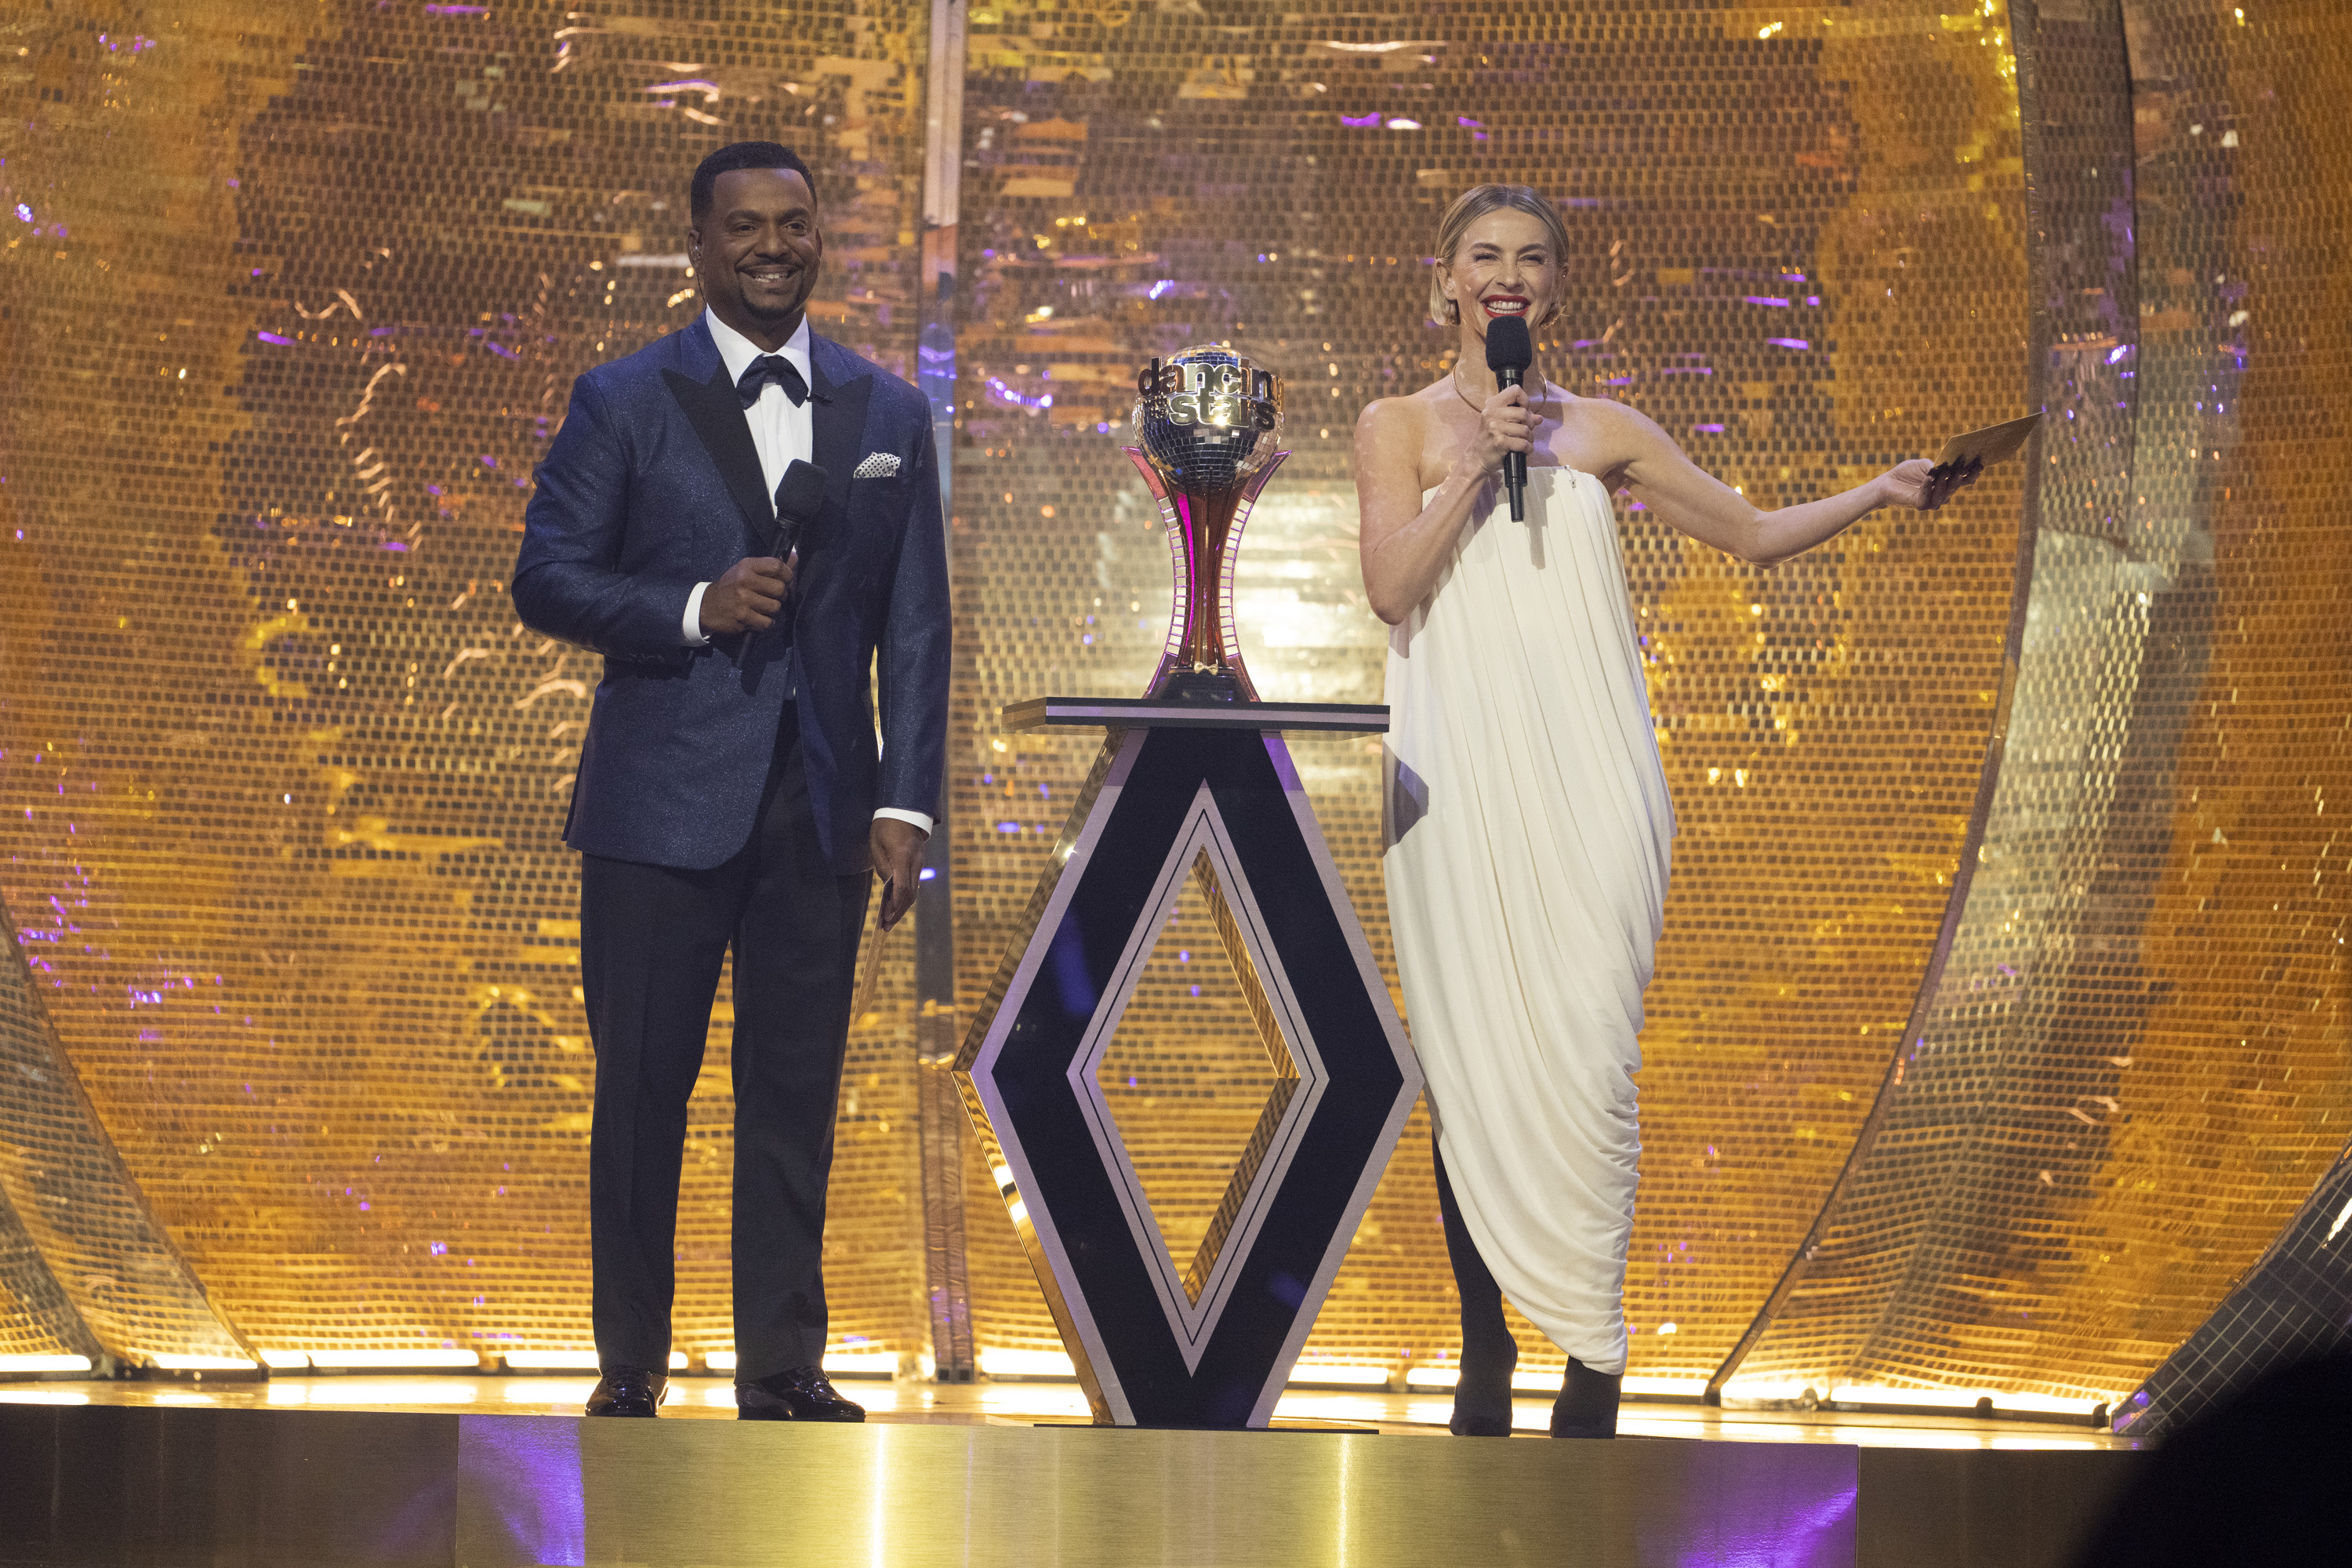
point(1800, 248)
point(293, 302)
point(2136, 1064)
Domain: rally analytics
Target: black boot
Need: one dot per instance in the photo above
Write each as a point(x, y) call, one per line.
point(1482, 1398)
point(1587, 1406)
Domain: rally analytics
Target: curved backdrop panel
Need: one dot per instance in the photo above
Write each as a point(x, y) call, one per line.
point(2136, 1066)
point(2293, 1305)
point(86, 1269)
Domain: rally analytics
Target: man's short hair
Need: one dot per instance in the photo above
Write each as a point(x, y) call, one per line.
point(741, 155)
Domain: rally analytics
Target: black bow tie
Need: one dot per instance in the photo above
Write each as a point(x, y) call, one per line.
point(768, 368)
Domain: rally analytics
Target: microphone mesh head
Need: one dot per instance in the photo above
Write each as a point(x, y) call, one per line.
point(1509, 347)
point(800, 495)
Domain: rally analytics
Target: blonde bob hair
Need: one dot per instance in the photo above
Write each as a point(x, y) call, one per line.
point(1468, 208)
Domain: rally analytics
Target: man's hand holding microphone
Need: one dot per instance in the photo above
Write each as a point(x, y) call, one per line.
point(748, 596)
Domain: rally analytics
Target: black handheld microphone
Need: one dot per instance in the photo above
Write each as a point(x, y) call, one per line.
point(800, 496)
point(1509, 352)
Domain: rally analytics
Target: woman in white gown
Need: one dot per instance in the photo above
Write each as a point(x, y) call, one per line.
point(1529, 827)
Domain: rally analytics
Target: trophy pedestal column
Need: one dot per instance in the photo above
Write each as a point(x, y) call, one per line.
point(1205, 790)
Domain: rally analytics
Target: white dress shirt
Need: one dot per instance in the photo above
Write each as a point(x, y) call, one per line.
point(782, 431)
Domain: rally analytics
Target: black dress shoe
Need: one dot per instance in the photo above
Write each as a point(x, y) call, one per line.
point(1587, 1406)
point(801, 1395)
point(628, 1391)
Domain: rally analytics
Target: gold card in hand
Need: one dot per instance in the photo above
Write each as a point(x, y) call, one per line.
point(1989, 445)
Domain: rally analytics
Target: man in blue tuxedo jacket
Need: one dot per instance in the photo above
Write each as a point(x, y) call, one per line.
point(743, 518)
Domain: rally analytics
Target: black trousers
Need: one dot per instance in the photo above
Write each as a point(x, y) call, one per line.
point(652, 941)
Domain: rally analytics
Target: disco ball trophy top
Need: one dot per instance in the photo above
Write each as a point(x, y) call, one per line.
point(1210, 422)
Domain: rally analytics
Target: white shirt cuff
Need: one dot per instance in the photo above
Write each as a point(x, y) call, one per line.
point(690, 628)
point(917, 817)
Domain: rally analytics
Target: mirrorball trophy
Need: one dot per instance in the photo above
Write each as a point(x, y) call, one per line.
point(1195, 783)
point(1210, 422)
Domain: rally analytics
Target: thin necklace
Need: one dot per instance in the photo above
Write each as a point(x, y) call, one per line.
point(1535, 409)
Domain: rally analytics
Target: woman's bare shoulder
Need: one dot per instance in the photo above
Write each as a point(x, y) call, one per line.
point(1622, 420)
point(1394, 416)
point(1607, 435)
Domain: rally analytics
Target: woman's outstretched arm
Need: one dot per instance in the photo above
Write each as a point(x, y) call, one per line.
point(1690, 499)
point(1401, 542)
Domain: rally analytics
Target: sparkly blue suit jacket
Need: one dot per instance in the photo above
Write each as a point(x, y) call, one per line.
point(653, 485)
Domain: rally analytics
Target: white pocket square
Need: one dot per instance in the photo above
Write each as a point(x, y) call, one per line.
point(876, 466)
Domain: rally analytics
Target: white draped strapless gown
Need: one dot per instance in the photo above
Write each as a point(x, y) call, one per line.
point(1529, 833)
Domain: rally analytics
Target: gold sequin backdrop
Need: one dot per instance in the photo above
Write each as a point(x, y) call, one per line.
point(292, 300)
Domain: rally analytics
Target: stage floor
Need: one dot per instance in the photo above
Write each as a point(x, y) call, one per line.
point(501, 1472)
point(1024, 1403)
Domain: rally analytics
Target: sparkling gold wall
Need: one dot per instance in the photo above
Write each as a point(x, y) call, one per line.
point(293, 299)
point(1802, 252)
point(293, 302)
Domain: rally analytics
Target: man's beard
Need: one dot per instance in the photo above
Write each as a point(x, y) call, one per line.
point(767, 314)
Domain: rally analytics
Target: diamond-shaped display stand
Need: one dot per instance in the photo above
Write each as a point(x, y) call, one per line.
point(1196, 1115)
point(1205, 792)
